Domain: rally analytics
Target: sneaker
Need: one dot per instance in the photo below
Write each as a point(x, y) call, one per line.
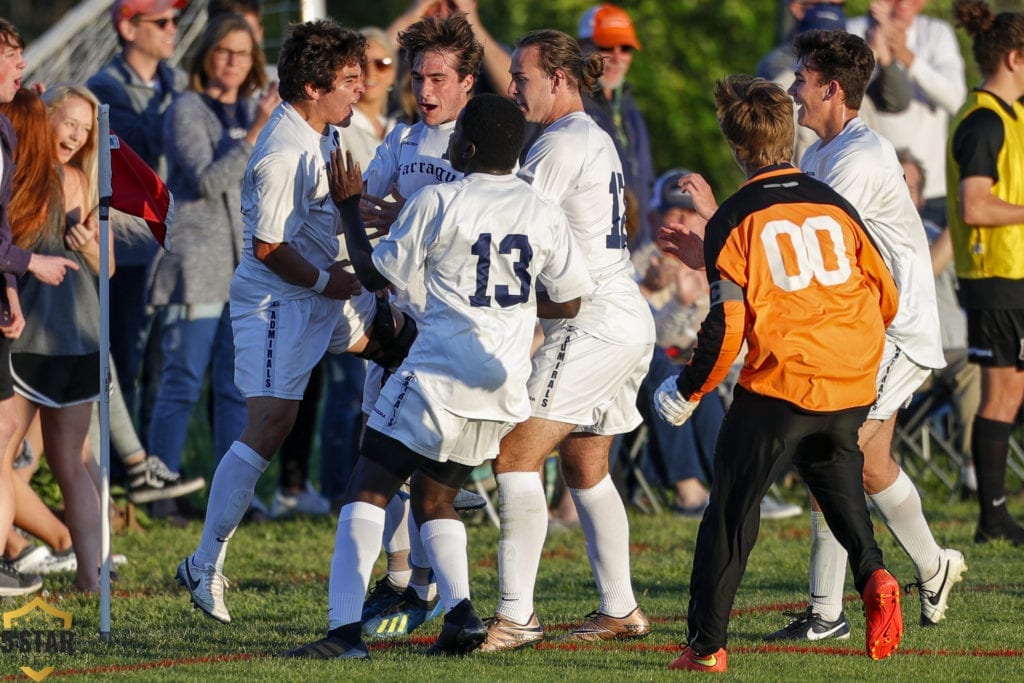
point(1008, 531)
point(39, 559)
point(935, 591)
point(689, 511)
point(462, 632)
point(402, 617)
point(504, 635)
point(716, 662)
point(334, 646)
point(600, 626)
point(466, 500)
point(808, 625)
point(206, 586)
point(773, 508)
point(882, 614)
point(151, 480)
point(13, 582)
point(307, 502)
point(383, 596)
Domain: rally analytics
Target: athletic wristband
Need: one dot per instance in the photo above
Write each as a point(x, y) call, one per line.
point(321, 282)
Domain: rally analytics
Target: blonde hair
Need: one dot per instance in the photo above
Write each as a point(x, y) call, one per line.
point(756, 117)
point(86, 159)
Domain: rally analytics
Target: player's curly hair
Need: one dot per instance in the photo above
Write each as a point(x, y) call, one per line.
point(557, 50)
point(838, 56)
point(496, 126)
point(756, 117)
point(312, 54)
point(994, 35)
point(448, 35)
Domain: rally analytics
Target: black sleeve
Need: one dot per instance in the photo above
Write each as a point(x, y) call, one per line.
point(976, 144)
point(359, 247)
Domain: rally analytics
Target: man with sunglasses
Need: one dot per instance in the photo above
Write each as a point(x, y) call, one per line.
point(138, 86)
point(607, 29)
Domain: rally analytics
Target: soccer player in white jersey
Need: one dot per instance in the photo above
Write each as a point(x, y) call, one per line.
point(587, 371)
point(831, 75)
point(443, 58)
point(291, 300)
point(483, 245)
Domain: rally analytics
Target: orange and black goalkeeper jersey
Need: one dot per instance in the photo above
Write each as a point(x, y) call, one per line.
point(794, 273)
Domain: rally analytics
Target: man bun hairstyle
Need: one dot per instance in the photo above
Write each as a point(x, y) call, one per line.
point(557, 50)
point(993, 35)
point(497, 128)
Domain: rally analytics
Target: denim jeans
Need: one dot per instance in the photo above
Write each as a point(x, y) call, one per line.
point(134, 344)
point(195, 338)
point(341, 422)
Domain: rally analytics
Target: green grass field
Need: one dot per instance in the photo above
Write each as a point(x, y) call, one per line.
point(278, 600)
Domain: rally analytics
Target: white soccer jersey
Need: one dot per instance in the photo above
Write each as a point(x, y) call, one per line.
point(413, 157)
point(574, 164)
point(861, 165)
point(481, 244)
point(285, 198)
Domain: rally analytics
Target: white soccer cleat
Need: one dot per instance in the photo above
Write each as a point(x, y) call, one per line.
point(935, 591)
point(206, 586)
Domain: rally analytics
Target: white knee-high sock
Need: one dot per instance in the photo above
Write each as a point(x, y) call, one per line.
point(396, 541)
point(828, 570)
point(900, 507)
point(231, 491)
point(523, 510)
point(444, 541)
point(606, 528)
point(356, 546)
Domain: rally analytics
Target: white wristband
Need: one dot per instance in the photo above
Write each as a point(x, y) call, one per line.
point(321, 282)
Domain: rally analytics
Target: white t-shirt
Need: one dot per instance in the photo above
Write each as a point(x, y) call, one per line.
point(286, 199)
point(574, 163)
point(861, 165)
point(481, 244)
point(413, 157)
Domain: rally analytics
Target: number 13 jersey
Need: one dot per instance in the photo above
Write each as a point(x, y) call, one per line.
point(793, 271)
point(574, 164)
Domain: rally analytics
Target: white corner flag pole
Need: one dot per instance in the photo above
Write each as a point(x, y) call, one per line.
point(105, 192)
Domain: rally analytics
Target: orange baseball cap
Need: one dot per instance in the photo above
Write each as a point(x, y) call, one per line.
point(128, 9)
point(607, 25)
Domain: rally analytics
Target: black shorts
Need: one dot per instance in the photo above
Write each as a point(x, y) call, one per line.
point(402, 461)
point(57, 381)
point(6, 383)
point(995, 338)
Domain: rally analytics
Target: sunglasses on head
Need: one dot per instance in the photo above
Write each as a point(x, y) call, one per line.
point(160, 23)
point(383, 63)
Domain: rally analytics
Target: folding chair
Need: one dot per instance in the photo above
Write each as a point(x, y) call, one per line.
point(925, 439)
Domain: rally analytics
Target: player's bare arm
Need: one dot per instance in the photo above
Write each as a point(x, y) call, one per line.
point(553, 310)
point(346, 184)
point(291, 267)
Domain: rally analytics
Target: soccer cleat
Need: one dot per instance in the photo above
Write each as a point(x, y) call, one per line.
point(462, 632)
point(504, 635)
point(402, 617)
point(600, 626)
point(150, 480)
point(466, 500)
point(935, 591)
point(341, 643)
point(41, 560)
point(306, 502)
point(716, 662)
point(13, 582)
point(206, 586)
point(774, 508)
point(882, 614)
point(383, 596)
point(808, 625)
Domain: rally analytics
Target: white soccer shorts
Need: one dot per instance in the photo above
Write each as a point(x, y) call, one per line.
point(582, 380)
point(406, 414)
point(897, 380)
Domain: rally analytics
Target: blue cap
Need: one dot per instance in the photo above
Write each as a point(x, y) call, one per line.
point(823, 16)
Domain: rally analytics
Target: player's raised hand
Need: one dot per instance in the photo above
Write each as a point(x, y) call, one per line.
point(341, 284)
point(50, 270)
point(344, 177)
point(379, 213)
point(683, 243)
point(703, 198)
